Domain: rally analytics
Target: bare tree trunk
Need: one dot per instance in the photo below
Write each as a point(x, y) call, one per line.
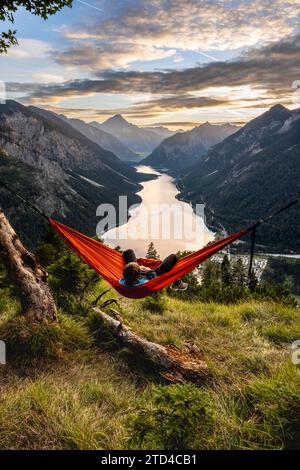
point(30, 278)
point(174, 364)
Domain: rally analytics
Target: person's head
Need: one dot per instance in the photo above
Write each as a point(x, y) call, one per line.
point(131, 273)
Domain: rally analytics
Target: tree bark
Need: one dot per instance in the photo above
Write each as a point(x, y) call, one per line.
point(174, 364)
point(28, 275)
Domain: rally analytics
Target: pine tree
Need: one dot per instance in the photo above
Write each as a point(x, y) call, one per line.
point(210, 274)
point(239, 273)
point(252, 281)
point(71, 275)
point(51, 248)
point(226, 274)
point(152, 252)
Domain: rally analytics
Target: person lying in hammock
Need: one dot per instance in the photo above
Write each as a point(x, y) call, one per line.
point(136, 275)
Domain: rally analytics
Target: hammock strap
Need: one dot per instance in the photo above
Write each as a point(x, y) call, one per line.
point(282, 209)
point(254, 226)
point(252, 250)
point(25, 201)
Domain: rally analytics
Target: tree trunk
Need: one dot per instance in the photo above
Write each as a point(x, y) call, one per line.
point(174, 364)
point(28, 275)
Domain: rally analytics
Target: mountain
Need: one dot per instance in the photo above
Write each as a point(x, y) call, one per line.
point(65, 174)
point(251, 174)
point(137, 139)
point(104, 139)
point(161, 130)
point(185, 148)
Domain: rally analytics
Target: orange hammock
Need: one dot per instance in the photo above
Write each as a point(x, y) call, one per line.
point(109, 263)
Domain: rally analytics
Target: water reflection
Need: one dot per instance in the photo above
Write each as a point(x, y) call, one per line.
point(171, 224)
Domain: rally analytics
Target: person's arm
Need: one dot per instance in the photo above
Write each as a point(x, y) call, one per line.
point(144, 269)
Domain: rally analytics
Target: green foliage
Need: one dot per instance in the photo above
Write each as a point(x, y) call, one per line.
point(226, 284)
point(224, 295)
point(274, 292)
point(70, 278)
point(7, 289)
point(252, 281)
point(284, 271)
point(27, 340)
point(274, 405)
point(51, 248)
point(238, 273)
point(211, 275)
point(93, 398)
point(226, 274)
point(177, 417)
point(71, 275)
point(43, 8)
point(46, 415)
point(281, 334)
point(155, 303)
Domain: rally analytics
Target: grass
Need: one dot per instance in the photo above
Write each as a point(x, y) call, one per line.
point(27, 341)
point(78, 389)
point(81, 404)
point(297, 298)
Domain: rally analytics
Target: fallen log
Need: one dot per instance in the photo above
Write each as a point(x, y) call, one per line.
point(174, 364)
point(29, 277)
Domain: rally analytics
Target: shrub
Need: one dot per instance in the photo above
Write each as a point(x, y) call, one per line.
point(178, 417)
point(279, 334)
point(155, 303)
point(70, 274)
point(224, 295)
point(274, 292)
point(274, 405)
point(28, 340)
point(71, 305)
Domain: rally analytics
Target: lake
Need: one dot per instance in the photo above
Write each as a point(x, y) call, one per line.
point(171, 224)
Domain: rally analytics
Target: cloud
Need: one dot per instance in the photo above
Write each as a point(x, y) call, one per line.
point(271, 69)
point(29, 49)
point(258, 78)
point(140, 30)
point(175, 103)
point(102, 56)
point(151, 108)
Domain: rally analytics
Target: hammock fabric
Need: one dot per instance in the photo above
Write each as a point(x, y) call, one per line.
point(109, 263)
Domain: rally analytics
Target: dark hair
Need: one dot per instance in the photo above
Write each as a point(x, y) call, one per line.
point(131, 273)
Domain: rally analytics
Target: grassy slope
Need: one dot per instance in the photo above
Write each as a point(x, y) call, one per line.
point(86, 398)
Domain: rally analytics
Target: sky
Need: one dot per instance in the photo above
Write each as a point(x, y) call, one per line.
point(176, 63)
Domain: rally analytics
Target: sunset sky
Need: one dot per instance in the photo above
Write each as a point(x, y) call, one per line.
point(172, 62)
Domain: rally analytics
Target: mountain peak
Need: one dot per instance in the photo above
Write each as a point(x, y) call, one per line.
point(205, 124)
point(137, 139)
point(278, 107)
point(117, 118)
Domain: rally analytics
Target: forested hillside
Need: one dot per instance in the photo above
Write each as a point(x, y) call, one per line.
point(65, 174)
point(251, 174)
point(184, 149)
